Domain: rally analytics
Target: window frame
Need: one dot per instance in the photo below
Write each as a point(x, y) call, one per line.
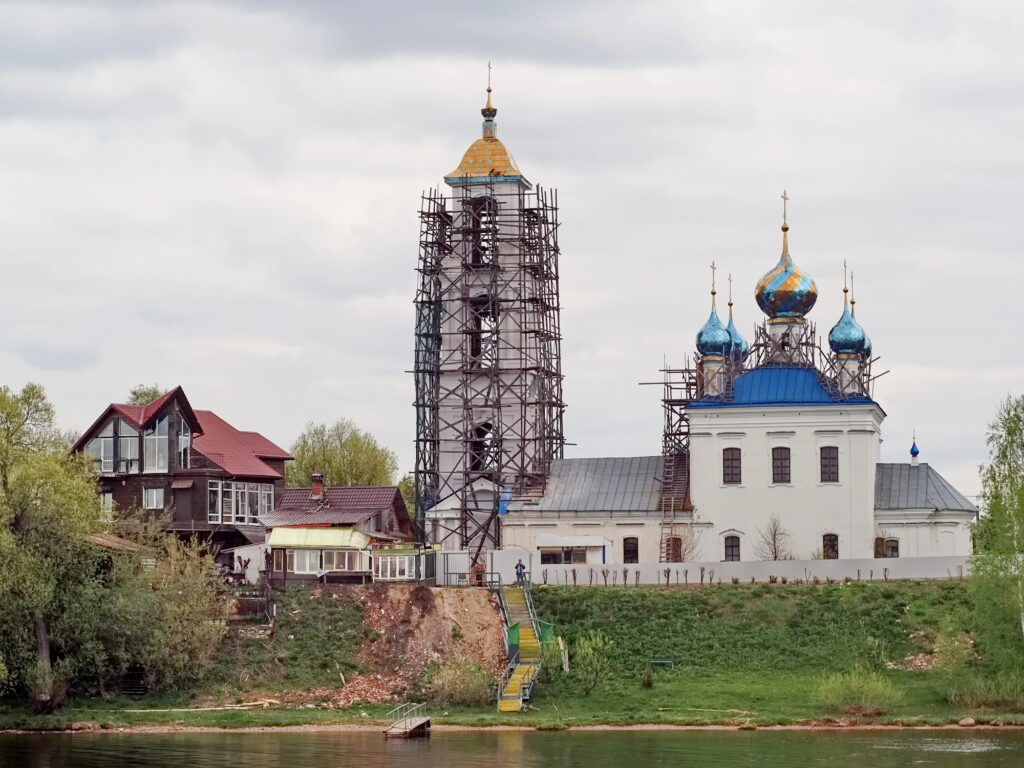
point(732, 549)
point(184, 445)
point(214, 509)
point(828, 464)
point(890, 546)
point(782, 465)
point(147, 504)
point(732, 465)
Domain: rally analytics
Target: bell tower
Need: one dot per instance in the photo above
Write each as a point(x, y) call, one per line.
point(488, 345)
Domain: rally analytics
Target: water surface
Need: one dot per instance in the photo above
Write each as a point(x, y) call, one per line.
point(873, 749)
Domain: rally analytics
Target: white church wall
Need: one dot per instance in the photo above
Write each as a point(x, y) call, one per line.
point(807, 507)
point(519, 531)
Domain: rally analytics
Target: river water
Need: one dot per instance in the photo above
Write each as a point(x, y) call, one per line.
point(508, 749)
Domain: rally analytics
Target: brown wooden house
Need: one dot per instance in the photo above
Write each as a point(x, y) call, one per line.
point(203, 476)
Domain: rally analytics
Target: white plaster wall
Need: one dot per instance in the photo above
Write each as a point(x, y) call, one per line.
point(807, 507)
point(925, 533)
point(521, 532)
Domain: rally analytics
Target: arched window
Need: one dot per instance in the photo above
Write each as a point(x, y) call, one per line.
point(830, 546)
point(674, 550)
point(780, 465)
point(483, 331)
point(732, 548)
point(481, 229)
point(631, 549)
point(829, 464)
point(892, 547)
point(731, 473)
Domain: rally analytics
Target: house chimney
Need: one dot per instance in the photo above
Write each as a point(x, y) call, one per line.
point(317, 489)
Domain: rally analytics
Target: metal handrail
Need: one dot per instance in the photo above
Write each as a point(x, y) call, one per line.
point(529, 607)
point(403, 711)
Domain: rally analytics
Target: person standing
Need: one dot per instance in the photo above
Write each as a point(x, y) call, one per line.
point(520, 573)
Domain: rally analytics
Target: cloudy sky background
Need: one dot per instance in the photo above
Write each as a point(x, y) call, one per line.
point(223, 195)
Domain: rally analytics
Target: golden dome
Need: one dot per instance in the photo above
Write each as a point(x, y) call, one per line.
point(487, 156)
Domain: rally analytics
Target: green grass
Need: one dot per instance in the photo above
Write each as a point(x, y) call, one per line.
point(757, 627)
point(747, 655)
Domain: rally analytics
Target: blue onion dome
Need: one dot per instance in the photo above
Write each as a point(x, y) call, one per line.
point(785, 291)
point(865, 349)
point(846, 336)
point(914, 450)
point(713, 340)
point(738, 346)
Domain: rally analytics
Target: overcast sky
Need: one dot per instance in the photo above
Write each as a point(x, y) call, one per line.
point(224, 196)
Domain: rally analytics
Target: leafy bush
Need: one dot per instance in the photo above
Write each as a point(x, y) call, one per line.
point(858, 691)
point(592, 660)
point(458, 681)
point(550, 663)
point(647, 680)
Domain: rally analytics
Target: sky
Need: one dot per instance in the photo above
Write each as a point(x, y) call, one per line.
point(224, 195)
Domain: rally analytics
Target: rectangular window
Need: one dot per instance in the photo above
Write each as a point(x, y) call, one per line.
point(892, 547)
point(780, 465)
point(279, 560)
point(154, 498)
point(107, 506)
point(732, 549)
point(830, 546)
point(127, 448)
point(303, 560)
point(631, 549)
point(227, 502)
point(266, 498)
point(184, 445)
point(829, 464)
point(731, 466)
point(214, 509)
point(101, 449)
point(394, 567)
point(341, 560)
point(241, 501)
point(156, 445)
point(252, 508)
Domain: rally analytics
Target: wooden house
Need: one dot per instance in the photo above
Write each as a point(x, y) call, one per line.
point(198, 473)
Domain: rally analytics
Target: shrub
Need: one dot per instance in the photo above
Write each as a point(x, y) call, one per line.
point(858, 692)
point(550, 663)
point(460, 682)
point(592, 661)
point(647, 681)
point(1004, 691)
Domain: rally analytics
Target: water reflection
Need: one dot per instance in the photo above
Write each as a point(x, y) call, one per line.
point(988, 749)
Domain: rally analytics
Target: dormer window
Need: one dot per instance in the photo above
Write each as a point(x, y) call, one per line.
point(156, 445)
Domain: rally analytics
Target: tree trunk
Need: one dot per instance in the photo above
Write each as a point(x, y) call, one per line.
point(44, 695)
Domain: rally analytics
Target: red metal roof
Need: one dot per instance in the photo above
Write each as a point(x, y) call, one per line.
point(236, 452)
point(139, 415)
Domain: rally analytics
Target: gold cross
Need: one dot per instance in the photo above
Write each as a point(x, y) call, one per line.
point(488, 75)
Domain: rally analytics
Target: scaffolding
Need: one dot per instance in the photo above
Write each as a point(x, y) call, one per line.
point(488, 379)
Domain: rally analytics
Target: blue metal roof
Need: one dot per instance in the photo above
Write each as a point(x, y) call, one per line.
point(779, 385)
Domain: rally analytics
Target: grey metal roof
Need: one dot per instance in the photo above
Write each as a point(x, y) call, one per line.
point(599, 485)
point(909, 486)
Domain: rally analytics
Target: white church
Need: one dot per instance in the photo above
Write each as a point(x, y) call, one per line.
point(781, 434)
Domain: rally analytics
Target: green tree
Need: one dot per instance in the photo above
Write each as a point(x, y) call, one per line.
point(144, 394)
point(592, 660)
point(407, 487)
point(343, 453)
point(997, 568)
point(48, 503)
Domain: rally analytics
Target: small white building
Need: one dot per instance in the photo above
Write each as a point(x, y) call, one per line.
point(780, 435)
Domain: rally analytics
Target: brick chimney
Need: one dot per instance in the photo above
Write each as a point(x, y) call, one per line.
point(316, 490)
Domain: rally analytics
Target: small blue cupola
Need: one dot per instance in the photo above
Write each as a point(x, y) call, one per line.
point(846, 336)
point(713, 340)
point(738, 346)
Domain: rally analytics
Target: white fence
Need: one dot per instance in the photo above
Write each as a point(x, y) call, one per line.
point(454, 565)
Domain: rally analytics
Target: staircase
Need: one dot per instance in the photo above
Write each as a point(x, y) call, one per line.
point(517, 688)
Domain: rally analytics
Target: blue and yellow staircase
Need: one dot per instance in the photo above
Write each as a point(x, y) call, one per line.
point(522, 633)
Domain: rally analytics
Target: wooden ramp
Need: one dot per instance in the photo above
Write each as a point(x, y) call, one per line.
point(408, 728)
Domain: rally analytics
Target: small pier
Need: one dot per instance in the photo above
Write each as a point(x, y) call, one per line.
point(408, 722)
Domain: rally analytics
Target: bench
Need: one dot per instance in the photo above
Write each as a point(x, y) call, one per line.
point(661, 663)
